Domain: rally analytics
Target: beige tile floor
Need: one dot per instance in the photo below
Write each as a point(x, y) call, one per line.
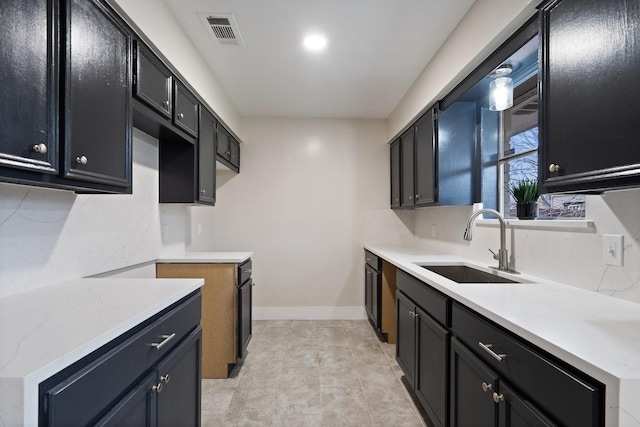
point(312, 373)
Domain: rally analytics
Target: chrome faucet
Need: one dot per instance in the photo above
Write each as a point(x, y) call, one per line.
point(503, 255)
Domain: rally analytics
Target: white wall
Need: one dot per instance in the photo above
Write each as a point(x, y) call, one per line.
point(485, 27)
point(48, 236)
point(299, 204)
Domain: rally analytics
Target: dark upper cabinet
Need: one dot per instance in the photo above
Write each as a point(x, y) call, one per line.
point(395, 174)
point(228, 150)
point(207, 158)
point(406, 154)
point(590, 88)
point(28, 76)
point(414, 165)
point(425, 160)
point(185, 109)
point(97, 96)
point(153, 81)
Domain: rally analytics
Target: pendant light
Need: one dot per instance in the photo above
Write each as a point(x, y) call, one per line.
point(501, 89)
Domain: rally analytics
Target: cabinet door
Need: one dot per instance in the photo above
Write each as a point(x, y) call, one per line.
point(244, 316)
point(137, 408)
point(152, 81)
point(97, 124)
point(395, 174)
point(368, 290)
point(516, 411)
point(472, 387)
point(407, 140)
point(224, 140)
point(432, 374)
point(589, 96)
point(185, 109)
point(179, 373)
point(406, 340)
point(207, 158)
point(234, 152)
point(372, 295)
point(425, 160)
point(28, 76)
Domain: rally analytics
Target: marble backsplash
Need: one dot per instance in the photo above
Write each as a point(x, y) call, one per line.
point(49, 236)
point(567, 255)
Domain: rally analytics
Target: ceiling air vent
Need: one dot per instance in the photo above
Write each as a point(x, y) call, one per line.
point(223, 28)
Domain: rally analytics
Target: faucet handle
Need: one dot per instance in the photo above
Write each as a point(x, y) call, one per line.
point(495, 255)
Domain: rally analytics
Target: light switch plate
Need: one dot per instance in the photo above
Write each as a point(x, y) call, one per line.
point(612, 249)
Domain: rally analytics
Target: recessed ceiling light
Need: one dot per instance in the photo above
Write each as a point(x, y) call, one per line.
point(315, 42)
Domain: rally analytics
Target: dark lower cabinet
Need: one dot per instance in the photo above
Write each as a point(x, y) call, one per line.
point(480, 398)
point(97, 95)
point(472, 385)
point(147, 377)
point(244, 316)
point(422, 351)
point(373, 292)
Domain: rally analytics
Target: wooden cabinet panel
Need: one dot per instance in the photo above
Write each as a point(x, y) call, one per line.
point(29, 78)
point(590, 89)
point(97, 113)
point(221, 328)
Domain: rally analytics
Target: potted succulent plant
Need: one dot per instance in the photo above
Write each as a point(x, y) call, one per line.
point(525, 193)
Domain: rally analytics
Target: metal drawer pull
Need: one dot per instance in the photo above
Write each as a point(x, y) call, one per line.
point(165, 378)
point(498, 397)
point(157, 388)
point(246, 270)
point(180, 116)
point(488, 347)
point(165, 339)
point(486, 387)
point(166, 104)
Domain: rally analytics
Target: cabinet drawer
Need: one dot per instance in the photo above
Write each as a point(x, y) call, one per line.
point(109, 376)
point(244, 272)
point(568, 396)
point(372, 260)
point(430, 300)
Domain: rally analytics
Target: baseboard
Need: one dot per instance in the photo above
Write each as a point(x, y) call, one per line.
point(309, 313)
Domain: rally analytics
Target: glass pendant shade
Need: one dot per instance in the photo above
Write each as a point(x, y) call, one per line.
point(501, 94)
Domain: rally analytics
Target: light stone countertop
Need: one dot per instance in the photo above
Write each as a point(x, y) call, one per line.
point(208, 257)
point(598, 334)
point(45, 330)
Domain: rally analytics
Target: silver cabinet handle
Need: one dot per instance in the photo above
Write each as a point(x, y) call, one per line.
point(203, 191)
point(498, 397)
point(486, 387)
point(39, 148)
point(165, 378)
point(410, 197)
point(418, 196)
point(246, 270)
point(165, 340)
point(488, 349)
point(180, 116)
point(82, 160)
point(554, 167)
point(166, 104)
point(157, 388)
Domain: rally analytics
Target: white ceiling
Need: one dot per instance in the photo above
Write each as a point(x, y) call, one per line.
point(376, 50)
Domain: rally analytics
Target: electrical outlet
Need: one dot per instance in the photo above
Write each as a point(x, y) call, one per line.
point(433, 230)
point(199, 229)
point(612, 249)
point(165, 233)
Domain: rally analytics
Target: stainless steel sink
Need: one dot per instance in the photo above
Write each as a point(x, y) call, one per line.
point(465, 274)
